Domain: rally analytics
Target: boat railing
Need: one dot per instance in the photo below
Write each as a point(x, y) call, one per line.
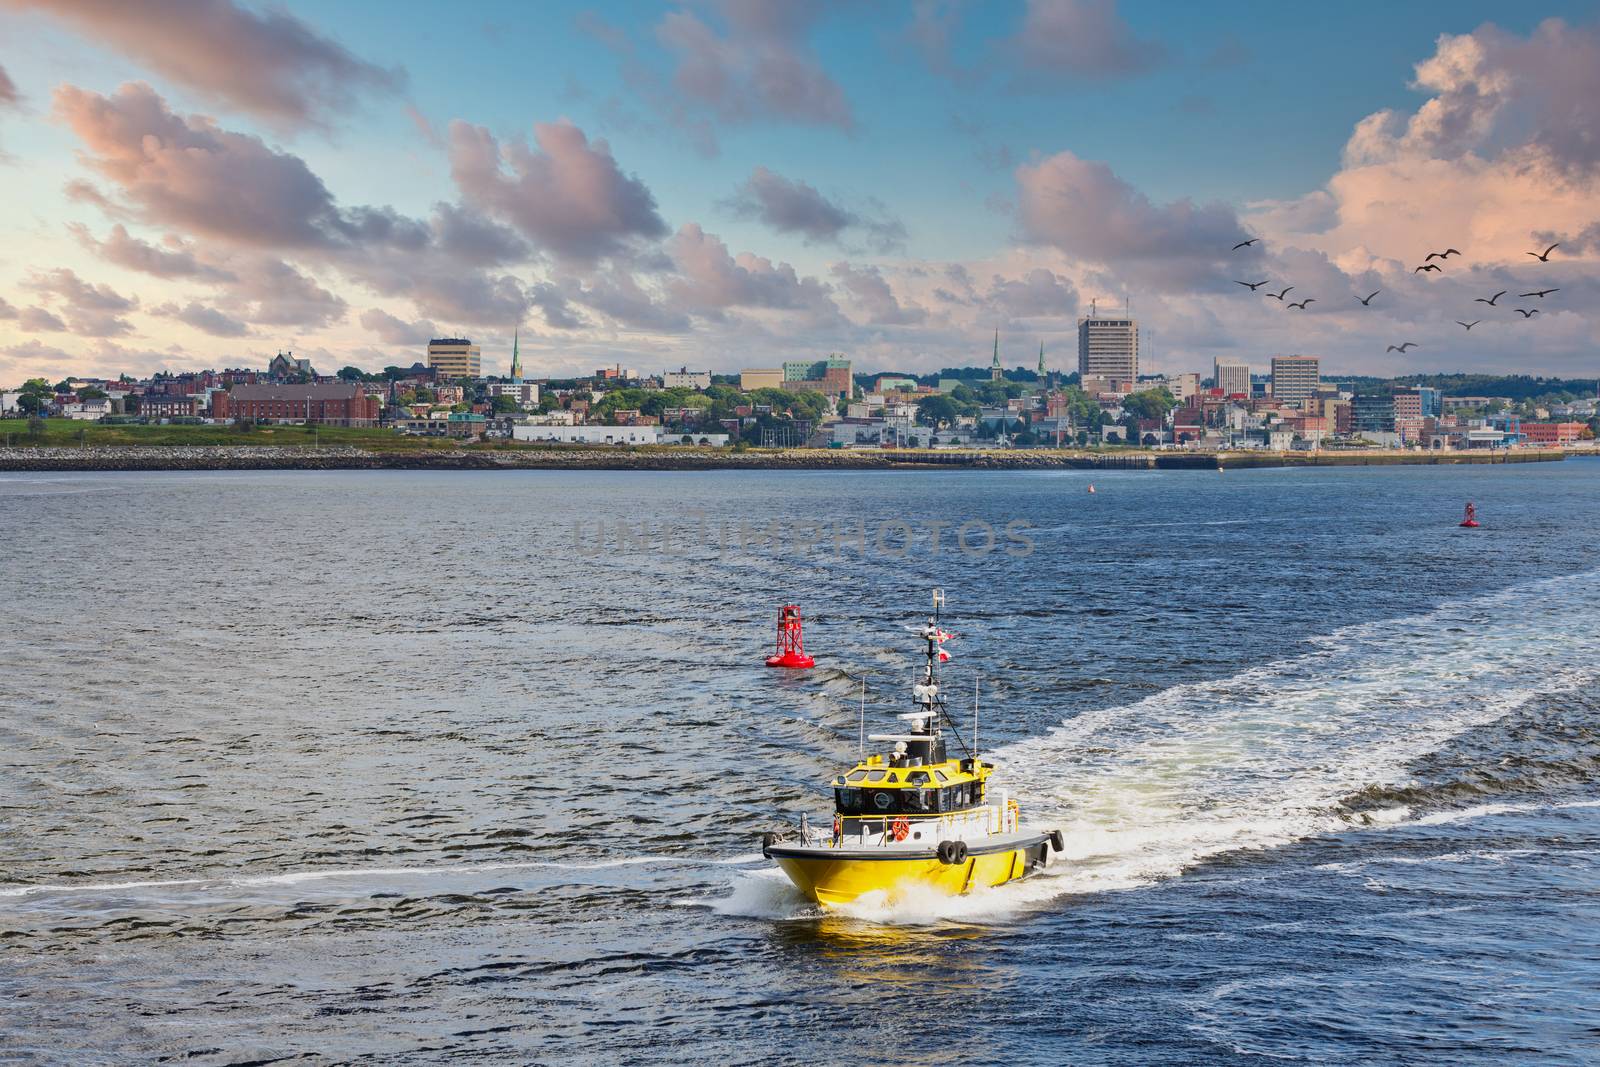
point(865, 831)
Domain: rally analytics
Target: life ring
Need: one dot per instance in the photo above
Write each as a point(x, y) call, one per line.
point(900, 829)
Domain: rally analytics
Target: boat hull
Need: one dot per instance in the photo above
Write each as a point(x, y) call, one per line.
point(832, 876)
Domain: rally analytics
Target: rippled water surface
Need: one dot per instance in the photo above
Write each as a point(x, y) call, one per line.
point(402, 766)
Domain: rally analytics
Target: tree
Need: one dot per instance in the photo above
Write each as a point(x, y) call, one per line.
point(505, 404)
point(352, 374)
point(937, 410)
point(91, 392)
point(36, 426)
point(29, 402)
point(1152, 404)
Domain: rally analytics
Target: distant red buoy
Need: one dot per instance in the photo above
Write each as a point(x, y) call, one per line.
point(791, 650)
point(1471, 521)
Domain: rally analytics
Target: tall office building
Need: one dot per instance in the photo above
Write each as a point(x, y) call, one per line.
point(1108, 347)
point(1231, 376)
point(1295, 378)
point(455, 357)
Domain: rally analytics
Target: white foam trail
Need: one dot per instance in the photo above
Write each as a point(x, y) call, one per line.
point(1144, 791)
point(355, 874)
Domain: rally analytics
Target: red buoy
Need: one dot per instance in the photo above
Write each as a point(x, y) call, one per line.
point(1471, 521)
point(791, 647)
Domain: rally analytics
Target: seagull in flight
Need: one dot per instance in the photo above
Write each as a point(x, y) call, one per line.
point(1253, 286)
point(1303, 303)
point(1244, 244)
point(1468, 325)
point(1446, 254)
point(1401, 348)
point(1367, 301)
point(1526, 314)
point(1542, 293)
point(1426, 266)
point(1545, 256)
point(1490, 301)
point(1280, 296)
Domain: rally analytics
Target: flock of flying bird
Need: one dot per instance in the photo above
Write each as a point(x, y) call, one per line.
point(1428, 266)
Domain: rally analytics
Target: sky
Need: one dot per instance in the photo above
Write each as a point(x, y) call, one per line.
point(722, 184)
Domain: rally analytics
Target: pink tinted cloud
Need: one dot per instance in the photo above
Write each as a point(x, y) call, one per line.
point(760, 66)
point(267, 63)
point(567, 195)
point(192, 174)
point(1083, 208)
point(710, 280)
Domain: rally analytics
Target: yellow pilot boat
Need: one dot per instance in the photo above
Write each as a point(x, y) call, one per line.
point(914, 816)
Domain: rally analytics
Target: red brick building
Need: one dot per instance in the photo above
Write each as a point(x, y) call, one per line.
point(1552, 433)
point(169, 405)
point(330, 404)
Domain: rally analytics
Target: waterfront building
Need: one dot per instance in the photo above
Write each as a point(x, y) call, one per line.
point(455, 357)
point(1295, 379)
point(1108, 347)
point(614, 435)
point(684, 378)
point(830, 376)
point(332, 404)
point(163, 406)
point(754, 378)
point(1372, 413)
point(1552, 433)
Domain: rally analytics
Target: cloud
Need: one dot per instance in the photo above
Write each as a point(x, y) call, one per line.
point(874, 296)
point(618, 295)
point(205, 319)
point(1084, 209)
point(271, 292)
point(709, 280)
point(93, 310)
point(792, 206)
point(191, 174)
point(552, 304)
point(760, 66)
point(266, 63)
point(1504, 150)
point(9, 97)
point(567, 196)
point(177, 260)
point(1081, 40)
point(469, 237)
point(37, 318)
point(1493, 90)
point(394, 331)
point(1038, 293)
point(7, 310)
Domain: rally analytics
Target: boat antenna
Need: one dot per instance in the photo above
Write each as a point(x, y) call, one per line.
point(974, 717)
point(861, 742)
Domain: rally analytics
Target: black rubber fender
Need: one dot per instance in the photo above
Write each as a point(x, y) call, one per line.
point(1057, 842)
point(952, 852)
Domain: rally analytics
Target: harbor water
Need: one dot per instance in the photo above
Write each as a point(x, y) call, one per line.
point(400, 767)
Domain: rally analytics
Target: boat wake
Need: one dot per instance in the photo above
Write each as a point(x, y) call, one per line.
point(1268, 756)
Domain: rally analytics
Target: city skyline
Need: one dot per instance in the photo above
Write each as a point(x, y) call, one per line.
point(742, 184)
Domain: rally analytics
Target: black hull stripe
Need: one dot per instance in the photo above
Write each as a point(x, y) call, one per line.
point(797, 852)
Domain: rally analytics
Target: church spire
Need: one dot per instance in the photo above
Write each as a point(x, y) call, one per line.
point(995, 373)
point(1041, 360)
point(516, 356)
